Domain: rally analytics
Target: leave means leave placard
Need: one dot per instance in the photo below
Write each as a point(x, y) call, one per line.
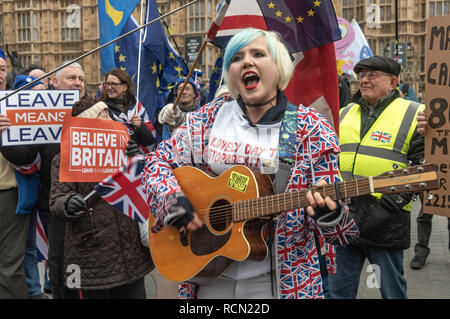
point(36, 116)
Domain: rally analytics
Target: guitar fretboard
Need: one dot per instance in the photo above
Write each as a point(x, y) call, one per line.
point(273, 204)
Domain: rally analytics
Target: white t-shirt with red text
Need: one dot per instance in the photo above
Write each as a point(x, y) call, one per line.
point(234, 141)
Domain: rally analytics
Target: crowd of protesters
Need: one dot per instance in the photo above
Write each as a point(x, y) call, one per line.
point(316, 251)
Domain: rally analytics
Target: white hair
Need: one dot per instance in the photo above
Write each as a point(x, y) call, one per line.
point(60, 72)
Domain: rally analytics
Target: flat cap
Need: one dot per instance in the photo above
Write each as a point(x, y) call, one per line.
point(379, 63)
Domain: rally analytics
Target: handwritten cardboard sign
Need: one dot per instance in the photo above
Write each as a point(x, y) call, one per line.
point(91, 149)
point(437, 87)
point(36, 116)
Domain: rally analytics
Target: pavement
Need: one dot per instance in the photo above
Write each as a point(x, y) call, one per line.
point(433, 280)
point(430, 282)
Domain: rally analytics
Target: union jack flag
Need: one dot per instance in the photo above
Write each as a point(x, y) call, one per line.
point(41, 236)
point(381, 137)
point(123, 190)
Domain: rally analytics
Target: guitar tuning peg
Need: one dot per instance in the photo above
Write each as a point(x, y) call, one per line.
point(399, 200)
point(410, 163)
point(423, 161)
point(429, 196)
point(395, 165)
point(415, 197)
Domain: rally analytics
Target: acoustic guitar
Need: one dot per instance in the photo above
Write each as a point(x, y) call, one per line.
point(232, 207)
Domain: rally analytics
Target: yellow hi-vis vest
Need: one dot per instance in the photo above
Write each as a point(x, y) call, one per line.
point(386, 143)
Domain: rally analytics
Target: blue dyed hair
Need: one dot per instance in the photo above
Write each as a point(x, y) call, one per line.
point(241, 40)
point(277, 49)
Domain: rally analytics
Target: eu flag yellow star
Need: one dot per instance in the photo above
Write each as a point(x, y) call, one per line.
point(178, 69)
point(171, 56)
point(311, 13)
point(317, 3)
point(122, 58)
point(271, 5)
point(116, 48)
point(300, 19)
point(279, 13)
point(288, 19)
point(154, 68)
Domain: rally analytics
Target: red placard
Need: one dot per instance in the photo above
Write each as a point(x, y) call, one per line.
point(91, 149)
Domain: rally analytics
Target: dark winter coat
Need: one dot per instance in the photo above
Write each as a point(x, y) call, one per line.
point(104, 243)
point(383, 223)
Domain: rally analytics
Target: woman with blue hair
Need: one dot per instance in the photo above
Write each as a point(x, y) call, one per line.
point(259, 128)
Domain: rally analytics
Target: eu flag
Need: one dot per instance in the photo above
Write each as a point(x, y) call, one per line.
point(112, 16)
point(216, 76)
point(160, 65)
point(170, 65)
point(126, 53)
point(303, 24)
point(173, 65)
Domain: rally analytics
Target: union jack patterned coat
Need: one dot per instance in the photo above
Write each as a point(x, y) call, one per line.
point(316, 145)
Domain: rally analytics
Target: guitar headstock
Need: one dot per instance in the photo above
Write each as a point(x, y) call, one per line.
point(411, 179)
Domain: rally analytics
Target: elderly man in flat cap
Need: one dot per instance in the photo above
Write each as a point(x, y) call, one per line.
point(378, 132)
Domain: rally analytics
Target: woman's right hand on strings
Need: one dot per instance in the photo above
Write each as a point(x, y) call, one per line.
point(181, 213)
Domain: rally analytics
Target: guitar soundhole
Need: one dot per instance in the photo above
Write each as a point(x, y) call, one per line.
point(204, 241)
point(220, 215)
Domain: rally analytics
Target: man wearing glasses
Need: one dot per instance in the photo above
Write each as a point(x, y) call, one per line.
point(378, 132)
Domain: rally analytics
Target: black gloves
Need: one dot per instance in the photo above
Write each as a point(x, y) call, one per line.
point(76, 205)
point(179, 211)
point(326, 217)
point(132, 149)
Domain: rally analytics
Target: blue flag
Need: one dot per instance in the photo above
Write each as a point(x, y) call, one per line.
point(216, 75)
point(169, 65)
point(112, 16)
point(126, 57)
point(160, 65)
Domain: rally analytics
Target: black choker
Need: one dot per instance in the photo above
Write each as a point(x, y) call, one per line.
point(260, 104)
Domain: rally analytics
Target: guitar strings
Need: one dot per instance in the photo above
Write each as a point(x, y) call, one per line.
point(223, 213)
point(261, 206)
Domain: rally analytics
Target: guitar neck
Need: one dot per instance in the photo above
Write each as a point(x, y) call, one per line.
point(269, 205)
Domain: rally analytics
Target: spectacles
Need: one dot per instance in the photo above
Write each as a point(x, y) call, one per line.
point(112, 84)
point(372, 75)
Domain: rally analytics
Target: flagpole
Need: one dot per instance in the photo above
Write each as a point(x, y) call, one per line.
point(171, 35)
point(210, 35)
point(89, 195)
point(85, 199)
point(202, 48)
point(96, 49)
point(139, 61)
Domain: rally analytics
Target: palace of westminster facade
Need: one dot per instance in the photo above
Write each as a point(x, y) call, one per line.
point(48, 32)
